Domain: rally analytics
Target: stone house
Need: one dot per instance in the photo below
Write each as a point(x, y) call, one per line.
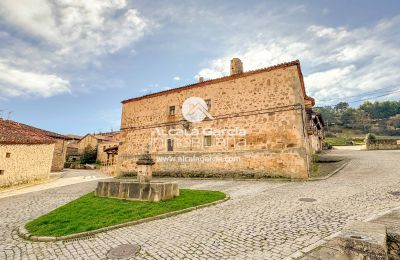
point(26, 154)
point(60, 146)
point(107, 152)
point(257, 124)
point(99, 142)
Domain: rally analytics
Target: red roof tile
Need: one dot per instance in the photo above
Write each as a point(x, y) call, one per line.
point(16, 133)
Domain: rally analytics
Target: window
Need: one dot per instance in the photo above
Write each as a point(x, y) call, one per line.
point(170, 145)
point(208, 102)
point(1, 172)
point(8, 155)
point(172, 110)
point(207, 140)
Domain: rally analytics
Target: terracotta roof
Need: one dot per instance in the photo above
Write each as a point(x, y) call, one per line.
point(12, 132)
point(231, 77)
point(100, 137)
point(75, 137)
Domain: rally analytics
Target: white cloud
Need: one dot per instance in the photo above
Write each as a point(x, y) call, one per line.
point(336, 61)
point(177, 78)
point(67, 32)
point(14, 82)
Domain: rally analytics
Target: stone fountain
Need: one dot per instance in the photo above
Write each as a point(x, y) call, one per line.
point(143, 189)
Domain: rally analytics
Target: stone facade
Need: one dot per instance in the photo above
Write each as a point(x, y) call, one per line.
point(94, 140)
point(268, 104)
point(103, 156)
point(23, 163)
point(89, 141)
point(383, 144)
point(59, 155)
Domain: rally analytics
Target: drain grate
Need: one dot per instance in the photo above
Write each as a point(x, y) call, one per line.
point(307, 199)
point(394, 193)
point(123, 251)
point(78, 239)
point(357, 237)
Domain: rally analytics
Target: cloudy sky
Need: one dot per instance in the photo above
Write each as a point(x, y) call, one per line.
point(65, 65)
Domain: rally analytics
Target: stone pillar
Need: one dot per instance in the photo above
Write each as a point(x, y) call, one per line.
point(144, 165)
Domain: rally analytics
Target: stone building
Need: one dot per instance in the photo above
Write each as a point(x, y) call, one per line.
point(257, 124)
point(107, 152)
point(60, 146)
point(26, 154)
point(92, 141)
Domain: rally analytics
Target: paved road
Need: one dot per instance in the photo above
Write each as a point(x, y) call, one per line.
point(263, 220)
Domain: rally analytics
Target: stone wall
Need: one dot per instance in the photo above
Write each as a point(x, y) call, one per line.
point(24, 163)
point(383, 144)
point(87, 141)
point(268, 105)
point(59, 155)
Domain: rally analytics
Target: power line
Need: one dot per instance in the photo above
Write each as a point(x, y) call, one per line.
point(364, 94)
point(365, 99)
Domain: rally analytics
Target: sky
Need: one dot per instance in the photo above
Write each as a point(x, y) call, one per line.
point(66, 65)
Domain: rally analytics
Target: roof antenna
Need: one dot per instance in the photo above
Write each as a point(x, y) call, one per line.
point(9, 115)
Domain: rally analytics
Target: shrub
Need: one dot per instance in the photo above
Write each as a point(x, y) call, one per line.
point(89, 156)
point(370, 137)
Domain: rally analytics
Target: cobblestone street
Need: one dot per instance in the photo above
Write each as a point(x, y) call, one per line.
point(263, 219)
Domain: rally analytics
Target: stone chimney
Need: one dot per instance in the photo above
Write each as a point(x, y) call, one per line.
point(201, 79)
point(236, 66)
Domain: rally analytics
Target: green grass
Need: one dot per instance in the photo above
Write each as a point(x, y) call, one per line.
point(90, 212)
point(348, 136)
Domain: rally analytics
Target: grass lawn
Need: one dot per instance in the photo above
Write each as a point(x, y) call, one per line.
point(90, 212)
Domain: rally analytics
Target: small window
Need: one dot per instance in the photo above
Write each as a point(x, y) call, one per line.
point(8, 155)
point(172, 110)
point(208, 102)
point(207, 140)
point(170, 145)
point(1, 172)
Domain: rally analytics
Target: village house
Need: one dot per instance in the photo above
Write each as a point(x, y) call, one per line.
point(26, 154)
point(107, 152)
point(258, 124)
point(60, 146)
point(92, 141)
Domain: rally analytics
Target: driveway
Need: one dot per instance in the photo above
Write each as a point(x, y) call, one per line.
point(263, 220)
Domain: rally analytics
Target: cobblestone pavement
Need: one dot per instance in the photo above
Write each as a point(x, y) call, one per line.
point(263, 220)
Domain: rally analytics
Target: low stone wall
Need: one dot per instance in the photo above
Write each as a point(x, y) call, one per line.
point(383, 144)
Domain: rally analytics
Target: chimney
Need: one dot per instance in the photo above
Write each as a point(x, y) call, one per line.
point(236, 66)
point(201, 79)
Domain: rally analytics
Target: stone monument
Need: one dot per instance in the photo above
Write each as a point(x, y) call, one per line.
point(143, 188)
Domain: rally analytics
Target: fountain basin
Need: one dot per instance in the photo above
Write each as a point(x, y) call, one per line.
point(134, 190)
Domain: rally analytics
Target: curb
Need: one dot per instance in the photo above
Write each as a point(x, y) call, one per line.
point(23, 233)
point(28, 185)
point(330, 174)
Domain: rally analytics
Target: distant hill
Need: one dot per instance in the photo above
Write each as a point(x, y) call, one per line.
point(381, 118)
